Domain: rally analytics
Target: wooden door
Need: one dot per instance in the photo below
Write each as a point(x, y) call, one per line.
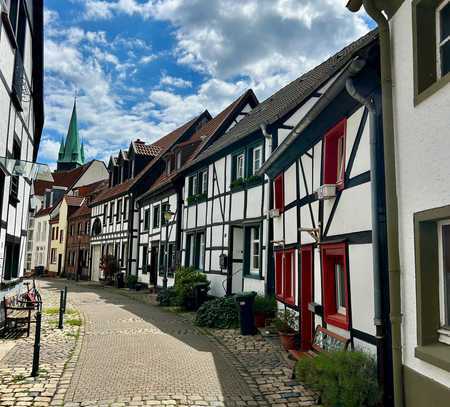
point(306, 317)
point(154, 254)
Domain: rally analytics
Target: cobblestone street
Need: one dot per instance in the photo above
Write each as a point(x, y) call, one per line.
point(133, 354)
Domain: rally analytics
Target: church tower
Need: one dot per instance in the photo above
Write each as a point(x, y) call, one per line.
point(71, 151)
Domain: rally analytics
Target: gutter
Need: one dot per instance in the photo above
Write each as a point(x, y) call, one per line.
point(351, 69)
point(369, 103)
point(391, 194)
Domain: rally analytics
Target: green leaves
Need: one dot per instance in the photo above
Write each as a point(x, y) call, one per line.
point(344, 379)
point(218, 313)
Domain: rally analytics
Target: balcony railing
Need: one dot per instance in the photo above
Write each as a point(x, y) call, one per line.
point(21, 89)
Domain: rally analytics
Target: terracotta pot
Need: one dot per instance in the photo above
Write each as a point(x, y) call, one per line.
point(260, 320)
point(287, 340)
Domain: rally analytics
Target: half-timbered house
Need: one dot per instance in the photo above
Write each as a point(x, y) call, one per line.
point(114, 217)
point(328, 210)
point(161, 208)
point(21, 122)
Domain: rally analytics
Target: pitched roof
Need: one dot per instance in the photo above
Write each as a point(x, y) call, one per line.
point(149, 150)
point(290, 96)
point(164, 143)
point(83, 210)
point(112, 192)
point(40, 186)
point(74, 200)
point(70, 177)
point(203, 136)
point(43, 211)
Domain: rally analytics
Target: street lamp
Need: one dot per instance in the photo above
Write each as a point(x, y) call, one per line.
point(168, 214)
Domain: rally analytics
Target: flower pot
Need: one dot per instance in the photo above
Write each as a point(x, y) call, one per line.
point(260, 320)
point(287, 340)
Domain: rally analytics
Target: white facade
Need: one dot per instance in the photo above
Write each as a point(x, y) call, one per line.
point(422, 163)
point(154, 234)
point(18, 120)
point(221, 219)
point(110, 234)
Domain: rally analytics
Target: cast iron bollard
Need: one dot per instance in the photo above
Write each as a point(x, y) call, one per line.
point(61, 310)
point(65, 299)
point(37, 345)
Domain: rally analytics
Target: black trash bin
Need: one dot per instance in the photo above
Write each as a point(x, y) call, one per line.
point(245, 301)
point(39, 270)
point(120, 282)
point(200, 294)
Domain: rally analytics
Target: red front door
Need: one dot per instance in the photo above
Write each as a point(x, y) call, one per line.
point(306, 318)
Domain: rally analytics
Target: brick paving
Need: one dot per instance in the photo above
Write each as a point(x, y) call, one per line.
point(133, 353)
point(17, 388)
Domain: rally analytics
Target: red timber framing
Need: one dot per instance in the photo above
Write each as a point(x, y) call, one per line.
point(336, 304)
point(306, 316)
point(278, 187)
point(285, 279)
point(334, 155)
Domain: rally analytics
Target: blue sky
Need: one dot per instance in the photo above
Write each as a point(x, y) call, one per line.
point(141, 68)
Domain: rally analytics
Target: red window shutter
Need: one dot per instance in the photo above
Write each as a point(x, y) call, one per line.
point(279, 192)
point(279, 274)
point(289, 277)
point(331, 152)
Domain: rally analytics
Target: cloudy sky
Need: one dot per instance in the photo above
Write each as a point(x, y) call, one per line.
point(141, 68)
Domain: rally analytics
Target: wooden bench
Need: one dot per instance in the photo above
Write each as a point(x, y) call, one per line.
point(323, 341)
point(17, 314)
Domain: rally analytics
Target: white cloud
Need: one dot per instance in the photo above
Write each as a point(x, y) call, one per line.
point(270, 42)
point(175, 82)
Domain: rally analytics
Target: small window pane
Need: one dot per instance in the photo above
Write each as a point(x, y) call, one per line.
point(445, 58)
point(445, 22)
point(446, 270)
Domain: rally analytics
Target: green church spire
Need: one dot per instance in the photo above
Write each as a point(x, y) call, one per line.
point(71, 153)
point(61, 149)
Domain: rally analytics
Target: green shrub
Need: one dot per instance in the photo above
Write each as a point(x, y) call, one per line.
point(185, 279)
point(237, 183)
point(167, 297)
point(131, 281)
point(285, 321)
point(343, 379)
point(265, 305)
point(218, 313)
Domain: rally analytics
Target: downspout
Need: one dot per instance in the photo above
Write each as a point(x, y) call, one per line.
point(268, 206)
point(391, 199)
point(369, 103)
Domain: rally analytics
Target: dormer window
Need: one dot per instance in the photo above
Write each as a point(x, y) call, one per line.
point(178, 160)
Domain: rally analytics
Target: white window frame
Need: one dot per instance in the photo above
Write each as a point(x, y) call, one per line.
point(204, 181)
point(440, 43)
point(169, 166)
point(201, 253)
point(258, 160)
point(255, 253)
point(191, 250)
point(340, 290)
point(178, 160)
point(444, 330)
point(240, 166)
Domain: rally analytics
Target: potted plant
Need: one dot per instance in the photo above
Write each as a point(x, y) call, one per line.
point(263, 308)
point(284, 324)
